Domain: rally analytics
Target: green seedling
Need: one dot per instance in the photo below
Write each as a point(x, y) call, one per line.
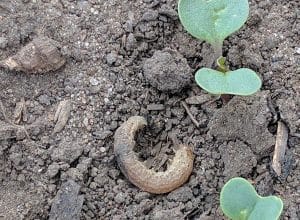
point(240, 201)
point(213, 21)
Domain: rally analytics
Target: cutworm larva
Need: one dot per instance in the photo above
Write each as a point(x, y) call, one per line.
point(147, 179)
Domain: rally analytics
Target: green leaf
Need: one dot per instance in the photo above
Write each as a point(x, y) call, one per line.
point(238, 198)
point(213, 20)
point(240, 201)
point(267, 208)
point(239, 82)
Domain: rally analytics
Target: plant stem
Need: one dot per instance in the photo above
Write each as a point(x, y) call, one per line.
point(217, 47)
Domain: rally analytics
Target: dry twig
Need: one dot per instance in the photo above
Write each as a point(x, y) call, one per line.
point(11, 123)
point(197, 124)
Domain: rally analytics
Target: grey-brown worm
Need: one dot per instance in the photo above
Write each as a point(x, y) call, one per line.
point(137, 173)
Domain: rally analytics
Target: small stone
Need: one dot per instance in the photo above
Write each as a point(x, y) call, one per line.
point(150, 15)
point(94, 81)
point(120, 198)
point(52, 170)
point(102, 149)
point(111, 58)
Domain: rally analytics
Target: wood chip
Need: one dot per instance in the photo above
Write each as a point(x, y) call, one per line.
point(280, 147)
point(62, 115)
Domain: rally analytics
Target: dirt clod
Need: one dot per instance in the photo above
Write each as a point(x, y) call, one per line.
point(168, 71)
point(67, 151)
point(246, 119)
point(238, 159)
point(67, 203)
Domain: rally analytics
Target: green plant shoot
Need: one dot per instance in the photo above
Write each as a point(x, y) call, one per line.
point(239, 82)
point(240, 201)
point(213, 21)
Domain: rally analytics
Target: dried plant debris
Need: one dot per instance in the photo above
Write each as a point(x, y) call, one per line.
point(62, 115)
point(280, 147)
point(39, 56)
point(20, 112)
point(147, 179)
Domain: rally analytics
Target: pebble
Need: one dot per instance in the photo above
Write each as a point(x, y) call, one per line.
point(52, 170)
point(94, 81)
point(111, 58)
point(120, 198)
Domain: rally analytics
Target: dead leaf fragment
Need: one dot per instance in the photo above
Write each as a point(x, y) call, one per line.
point(280, 147)
point(20, 112)
point(62, 115)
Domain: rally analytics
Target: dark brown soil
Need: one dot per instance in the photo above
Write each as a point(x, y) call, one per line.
point(106, 44)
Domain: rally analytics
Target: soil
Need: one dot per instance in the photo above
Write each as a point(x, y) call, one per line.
point(106, 44)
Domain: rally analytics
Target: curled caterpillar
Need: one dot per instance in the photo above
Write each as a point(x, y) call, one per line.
point(39, 56)
point(137, 173)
